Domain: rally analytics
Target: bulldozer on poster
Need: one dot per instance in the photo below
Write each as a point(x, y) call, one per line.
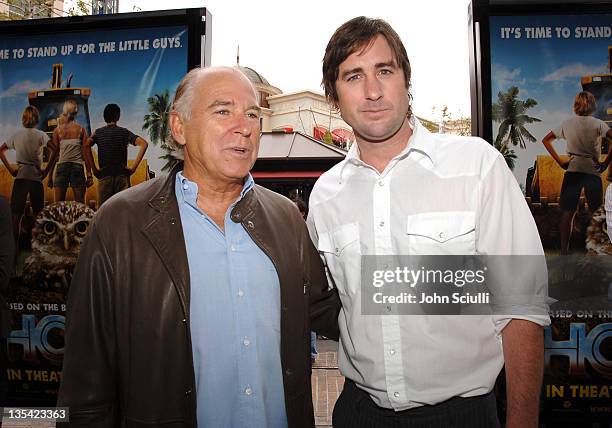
point(50, 102)
point(544, 178)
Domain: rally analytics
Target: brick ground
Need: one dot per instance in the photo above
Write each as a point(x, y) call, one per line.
point(327, 383)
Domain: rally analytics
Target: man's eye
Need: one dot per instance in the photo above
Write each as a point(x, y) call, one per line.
point(253, 115)
point(386, 71)
point(222, 112)
point(353, 77)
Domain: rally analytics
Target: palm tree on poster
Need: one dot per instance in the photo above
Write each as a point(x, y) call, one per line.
point(156, 123)
point(508, 154)
point(510, 112)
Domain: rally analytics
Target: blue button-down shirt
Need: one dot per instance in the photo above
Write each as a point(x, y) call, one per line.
point(235, 319)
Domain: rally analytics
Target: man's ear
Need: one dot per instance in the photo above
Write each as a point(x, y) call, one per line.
point(177, 127)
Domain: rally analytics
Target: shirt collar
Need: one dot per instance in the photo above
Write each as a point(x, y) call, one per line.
point(421, 141)
point(187, 190)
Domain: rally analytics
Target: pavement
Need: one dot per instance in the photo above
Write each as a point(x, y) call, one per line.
point(327, 382)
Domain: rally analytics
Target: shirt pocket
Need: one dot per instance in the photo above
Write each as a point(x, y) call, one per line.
point(341, 250)
point(447, 233)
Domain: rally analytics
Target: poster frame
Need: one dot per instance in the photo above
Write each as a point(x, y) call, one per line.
point(197, 20)
point(479, 39)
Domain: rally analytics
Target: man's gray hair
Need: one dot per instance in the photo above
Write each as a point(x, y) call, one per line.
point(183, 102)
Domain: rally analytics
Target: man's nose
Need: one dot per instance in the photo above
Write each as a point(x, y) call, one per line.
point(244, 126)
point(373, 89)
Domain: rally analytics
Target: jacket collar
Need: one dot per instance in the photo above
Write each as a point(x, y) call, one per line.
point(165, 233)
point(165, 194)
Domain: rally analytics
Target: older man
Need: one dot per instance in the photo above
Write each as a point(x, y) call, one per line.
point(190, 301)
point(402, 190)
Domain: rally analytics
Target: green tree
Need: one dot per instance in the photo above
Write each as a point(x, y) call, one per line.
point(156, 121)
point(327, 138)
point(510, 112)
point(447, 124)
point(508, 154)
point(79, 7)
point(157, 125)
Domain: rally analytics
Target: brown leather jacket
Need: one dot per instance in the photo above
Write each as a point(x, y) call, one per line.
point(128, 358)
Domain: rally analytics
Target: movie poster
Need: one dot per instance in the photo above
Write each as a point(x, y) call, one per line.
point(538, 66)
point(138, 69)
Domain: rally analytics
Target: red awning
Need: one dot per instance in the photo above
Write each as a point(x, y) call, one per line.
point(342, 135)
point(286, 174)
point(318, 132)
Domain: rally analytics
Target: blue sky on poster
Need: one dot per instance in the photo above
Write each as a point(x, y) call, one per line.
point(547, 69)
point(126, 77)
point(285, 41)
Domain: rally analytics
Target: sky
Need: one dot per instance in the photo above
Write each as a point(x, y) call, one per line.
point(285, 40)
point(547, 68)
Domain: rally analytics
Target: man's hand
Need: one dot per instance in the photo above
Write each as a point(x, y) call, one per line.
point(564, 164)
point(13, 171)
point(89, 181)
point(523, 343)
point(50, 181)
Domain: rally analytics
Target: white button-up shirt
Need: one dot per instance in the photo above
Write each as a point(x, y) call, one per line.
point(442, 194)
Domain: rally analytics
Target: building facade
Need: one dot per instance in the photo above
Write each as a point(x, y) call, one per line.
point(30, 9)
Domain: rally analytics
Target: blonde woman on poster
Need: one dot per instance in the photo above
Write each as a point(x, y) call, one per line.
point(583, 170)
point(67, 144)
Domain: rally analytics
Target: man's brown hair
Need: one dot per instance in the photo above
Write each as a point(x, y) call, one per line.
point(30, 117)
point(355, 35)
point(584, 104)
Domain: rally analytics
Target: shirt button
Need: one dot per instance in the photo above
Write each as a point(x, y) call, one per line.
point(246, 342)
point(188, 393)
point(442, 235)
point(381, 183)
point(382, 223)
point(186, 186)
point(249, 391)
point(240, 293)
point(396, 394)
point(233, 248)
point(392, 352)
